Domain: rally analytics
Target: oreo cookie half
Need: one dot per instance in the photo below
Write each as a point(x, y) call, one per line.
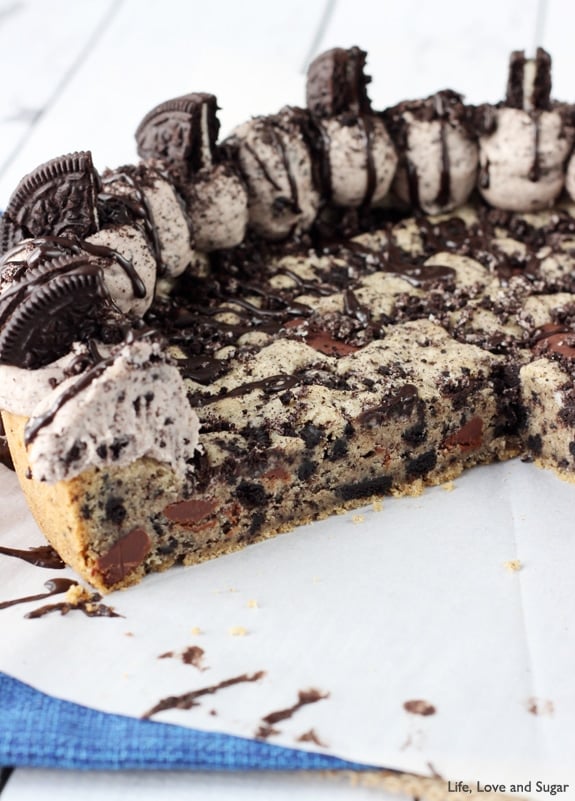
point(57, 198)
point(540, 97)
point(53, 306)
point(181, 133)
point(337, 83)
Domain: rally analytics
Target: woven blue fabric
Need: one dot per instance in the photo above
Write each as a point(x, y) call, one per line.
point(37, 730)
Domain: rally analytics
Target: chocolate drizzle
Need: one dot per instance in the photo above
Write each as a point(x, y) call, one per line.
point(140, 208)
point(50, 247)
point(41, 556)
point(371, 175)
point(189, 700)
point(305, 697)
point(448, 110)
point(36, 424)
point(535, 170)
point(444, 193)
point(53, 587)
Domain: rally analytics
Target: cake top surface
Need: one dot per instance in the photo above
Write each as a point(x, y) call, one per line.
point(289, 249)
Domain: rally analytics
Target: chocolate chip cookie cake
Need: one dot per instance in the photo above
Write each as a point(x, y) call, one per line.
point(334, 303)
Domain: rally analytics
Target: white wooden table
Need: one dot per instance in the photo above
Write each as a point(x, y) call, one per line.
point(80, 75)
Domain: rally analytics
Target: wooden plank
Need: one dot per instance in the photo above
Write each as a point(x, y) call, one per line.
point(557, 37)
point(249, 54)
point(41, 42)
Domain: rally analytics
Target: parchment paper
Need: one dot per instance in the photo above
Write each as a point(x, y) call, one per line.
point(439, 628)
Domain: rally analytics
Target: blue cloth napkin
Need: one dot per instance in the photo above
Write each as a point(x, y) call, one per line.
point(37, 730)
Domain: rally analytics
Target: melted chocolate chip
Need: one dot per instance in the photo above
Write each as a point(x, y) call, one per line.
point(125, 556)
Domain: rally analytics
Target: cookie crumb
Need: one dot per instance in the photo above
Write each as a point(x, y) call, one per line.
point(513, 565)
point(253, 604)
point(358, 519)
point(196, 630)
point(449, 486)
point(76, 595)
point(377, 506)
point(238, 631)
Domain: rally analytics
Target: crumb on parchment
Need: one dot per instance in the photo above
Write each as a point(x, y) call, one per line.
point(513, 565)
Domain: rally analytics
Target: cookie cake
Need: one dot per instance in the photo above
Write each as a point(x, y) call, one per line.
point(334, 303)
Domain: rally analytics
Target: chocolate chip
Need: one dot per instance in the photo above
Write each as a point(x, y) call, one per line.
point(191, 511)
point(126, 555)
point(467, 438)
point(57, 198)
point(52, 306)
point(174, 133)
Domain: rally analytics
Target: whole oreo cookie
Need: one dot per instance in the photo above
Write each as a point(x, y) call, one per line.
point(337, 83)
point(57, 198)
point(181, 133)
point(51, 307)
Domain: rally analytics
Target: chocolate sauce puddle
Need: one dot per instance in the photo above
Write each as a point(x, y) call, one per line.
point(53, 586)
point(189, 700)
point(42, 556)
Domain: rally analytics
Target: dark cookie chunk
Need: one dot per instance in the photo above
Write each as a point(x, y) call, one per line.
point(56, 304)
point(336, 83)
point(175, 133)
point(57, 198)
